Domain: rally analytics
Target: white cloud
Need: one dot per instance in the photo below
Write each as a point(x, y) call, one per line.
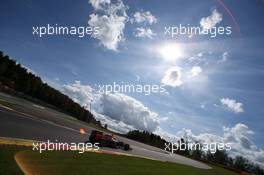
point(166, 135)
point(240, 134)
point(144, 33)
point(123, 108)
point(195, 71)
point(114, 125)
point(232, 105)
point(211, 21)
point(237, 136)
point(224, 58)
point(121, 111)
point(203, 105)
point(111, 23)
point(144, 17)
point(28, 69)
point(200, 54)
point(98, 4)
point(79, 93)
point(172, 77)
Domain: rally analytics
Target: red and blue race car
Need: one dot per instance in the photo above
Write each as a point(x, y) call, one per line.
point(107, 140)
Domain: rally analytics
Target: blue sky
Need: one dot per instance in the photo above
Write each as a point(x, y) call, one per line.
point(221, 78)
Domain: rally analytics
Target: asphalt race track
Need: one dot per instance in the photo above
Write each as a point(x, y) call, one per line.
point(22, 119)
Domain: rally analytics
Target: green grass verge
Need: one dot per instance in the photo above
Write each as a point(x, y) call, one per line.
point(7, 162)
point(59, 162)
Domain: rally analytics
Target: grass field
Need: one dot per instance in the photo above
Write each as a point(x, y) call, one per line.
point(7, 162)
point(73, 163)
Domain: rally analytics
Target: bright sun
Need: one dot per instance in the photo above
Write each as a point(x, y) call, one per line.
point(171, 51)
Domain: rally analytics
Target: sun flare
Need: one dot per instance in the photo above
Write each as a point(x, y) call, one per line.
point(171, 51)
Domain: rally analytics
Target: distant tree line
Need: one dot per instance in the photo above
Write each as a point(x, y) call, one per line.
point(15, 78)
point(147, 138)
point(219, 158)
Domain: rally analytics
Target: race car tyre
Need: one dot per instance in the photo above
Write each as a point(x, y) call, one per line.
point(126, 147)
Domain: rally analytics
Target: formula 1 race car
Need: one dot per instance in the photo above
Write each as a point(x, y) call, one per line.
point(107, 140)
